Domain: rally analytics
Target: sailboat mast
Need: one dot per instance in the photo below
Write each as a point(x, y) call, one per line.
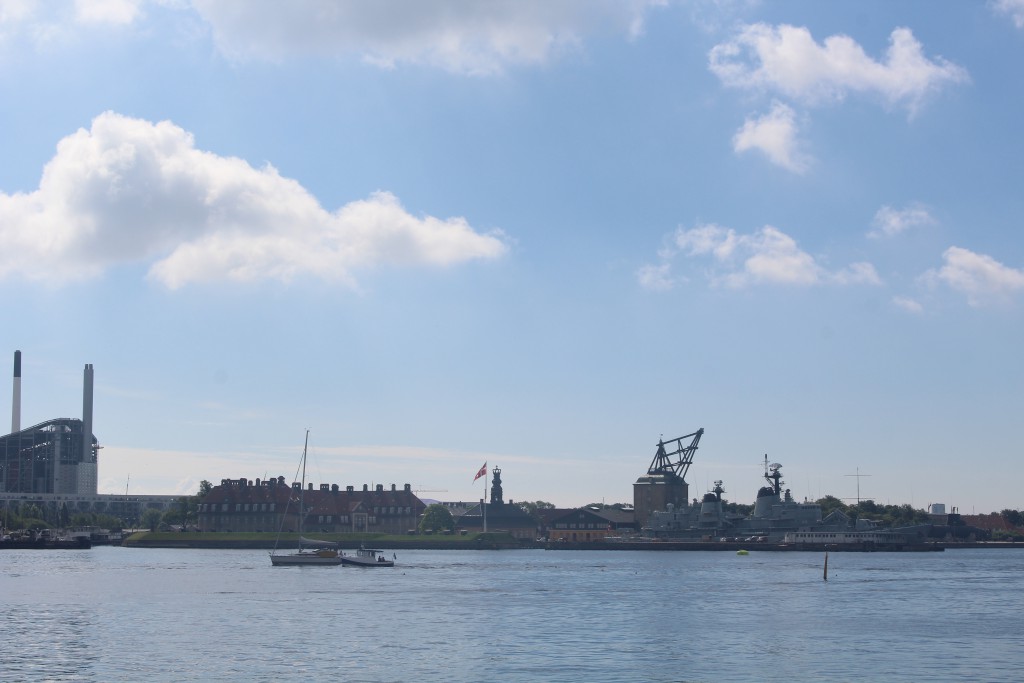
point(302, 489)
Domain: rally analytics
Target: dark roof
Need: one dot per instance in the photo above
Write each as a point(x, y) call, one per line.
point(505, 515)
point(617, 515)
point(610, 515)
point(548, 514)
point(319, 501)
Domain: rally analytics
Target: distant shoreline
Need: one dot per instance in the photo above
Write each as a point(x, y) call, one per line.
point(267, 541)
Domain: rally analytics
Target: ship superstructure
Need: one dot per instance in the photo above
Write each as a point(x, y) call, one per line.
point(775, 514)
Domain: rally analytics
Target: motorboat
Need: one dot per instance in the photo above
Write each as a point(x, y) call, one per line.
point(367, 557)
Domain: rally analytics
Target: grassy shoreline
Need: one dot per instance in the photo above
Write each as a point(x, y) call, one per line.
point(268, 540)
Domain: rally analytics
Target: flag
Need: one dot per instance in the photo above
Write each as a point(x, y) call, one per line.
point(481, 473)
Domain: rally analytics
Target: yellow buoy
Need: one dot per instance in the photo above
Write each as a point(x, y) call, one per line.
point(742, 552)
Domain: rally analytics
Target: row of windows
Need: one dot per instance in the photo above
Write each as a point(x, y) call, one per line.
point(239, 507)
point(391, 510)
point(270, 507)
point(269, 521)
point(591, 525)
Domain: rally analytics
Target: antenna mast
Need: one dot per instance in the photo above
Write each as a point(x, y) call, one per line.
point(858, 475)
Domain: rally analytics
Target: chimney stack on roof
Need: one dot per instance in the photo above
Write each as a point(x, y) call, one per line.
point(16, 402)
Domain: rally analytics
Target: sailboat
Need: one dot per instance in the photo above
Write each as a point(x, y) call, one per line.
point(311, 553)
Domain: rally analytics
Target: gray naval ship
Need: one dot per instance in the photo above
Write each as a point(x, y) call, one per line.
point(660, 502)
point(776, 514)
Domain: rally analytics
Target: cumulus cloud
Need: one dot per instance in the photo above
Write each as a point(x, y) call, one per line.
point(656, 277)
point(775, 135)
point(462, 37)
point(766, 256)
point(907, 304)
point(121, 12)
point(477, 38)
point(1012, 8)
point(787, 60)
point(980, 277)
point(55, 21)
point(889, 222)
point(130, 191)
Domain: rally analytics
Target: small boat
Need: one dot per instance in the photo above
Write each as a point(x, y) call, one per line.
point(308, 557)
point(44, 541)
point(367, 557)
point(311, 553)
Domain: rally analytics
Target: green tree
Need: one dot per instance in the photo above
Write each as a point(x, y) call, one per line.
point(31, 510)
point(151, 518)
point(105, 521)
point(204, 488)
point(172, 517)
point(829, 504)
point(738, 508)
point(533, 508)
point(1012, 517)
point(437, 518)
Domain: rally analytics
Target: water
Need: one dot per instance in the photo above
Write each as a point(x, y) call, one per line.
point(120, 614)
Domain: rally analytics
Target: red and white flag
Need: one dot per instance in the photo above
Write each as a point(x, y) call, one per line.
point(482, 472)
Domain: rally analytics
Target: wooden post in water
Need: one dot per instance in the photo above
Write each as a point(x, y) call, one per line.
point(826, 565)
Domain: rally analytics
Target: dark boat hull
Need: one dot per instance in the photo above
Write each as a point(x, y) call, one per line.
point(81, 543)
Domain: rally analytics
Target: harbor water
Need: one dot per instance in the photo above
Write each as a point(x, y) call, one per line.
point(119, 614)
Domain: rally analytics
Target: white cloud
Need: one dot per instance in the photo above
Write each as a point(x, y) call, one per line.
point(130, 191)
point(907, 304)
point(52, 22)
point(656, 277)
point(120, 12)
point(766, 256)
point(860, 273)
point(787, 60)
point(774, 134)
point(889, 222)
point(15, 11)
point(462, 37)
point(980, 277)
point(1013, 8)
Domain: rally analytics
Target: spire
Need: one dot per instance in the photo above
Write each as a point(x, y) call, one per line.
point(496, 496)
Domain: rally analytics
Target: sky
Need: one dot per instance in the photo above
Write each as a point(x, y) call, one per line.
point(540, 235)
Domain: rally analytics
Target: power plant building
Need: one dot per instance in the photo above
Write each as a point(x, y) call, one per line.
point(58, 456)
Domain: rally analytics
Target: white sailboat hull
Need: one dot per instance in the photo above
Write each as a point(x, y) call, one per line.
point(305, 560)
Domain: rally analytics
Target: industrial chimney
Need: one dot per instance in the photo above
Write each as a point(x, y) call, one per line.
point(87, 415)
point(16, 401)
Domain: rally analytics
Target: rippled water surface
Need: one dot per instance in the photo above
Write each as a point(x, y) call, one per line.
point(119, 614)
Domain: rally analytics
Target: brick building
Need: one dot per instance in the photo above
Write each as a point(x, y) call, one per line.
point(271, 505)
point(587, 524)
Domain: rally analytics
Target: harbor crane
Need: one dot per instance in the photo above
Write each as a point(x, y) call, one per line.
point(675, 457)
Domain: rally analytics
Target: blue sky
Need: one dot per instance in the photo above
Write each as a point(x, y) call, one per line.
point(536, 234)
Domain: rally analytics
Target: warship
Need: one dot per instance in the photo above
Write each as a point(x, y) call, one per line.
point(775, 514)
point(777, 518)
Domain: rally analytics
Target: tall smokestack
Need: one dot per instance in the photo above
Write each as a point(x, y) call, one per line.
point(16, 402)
point(87, 415)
